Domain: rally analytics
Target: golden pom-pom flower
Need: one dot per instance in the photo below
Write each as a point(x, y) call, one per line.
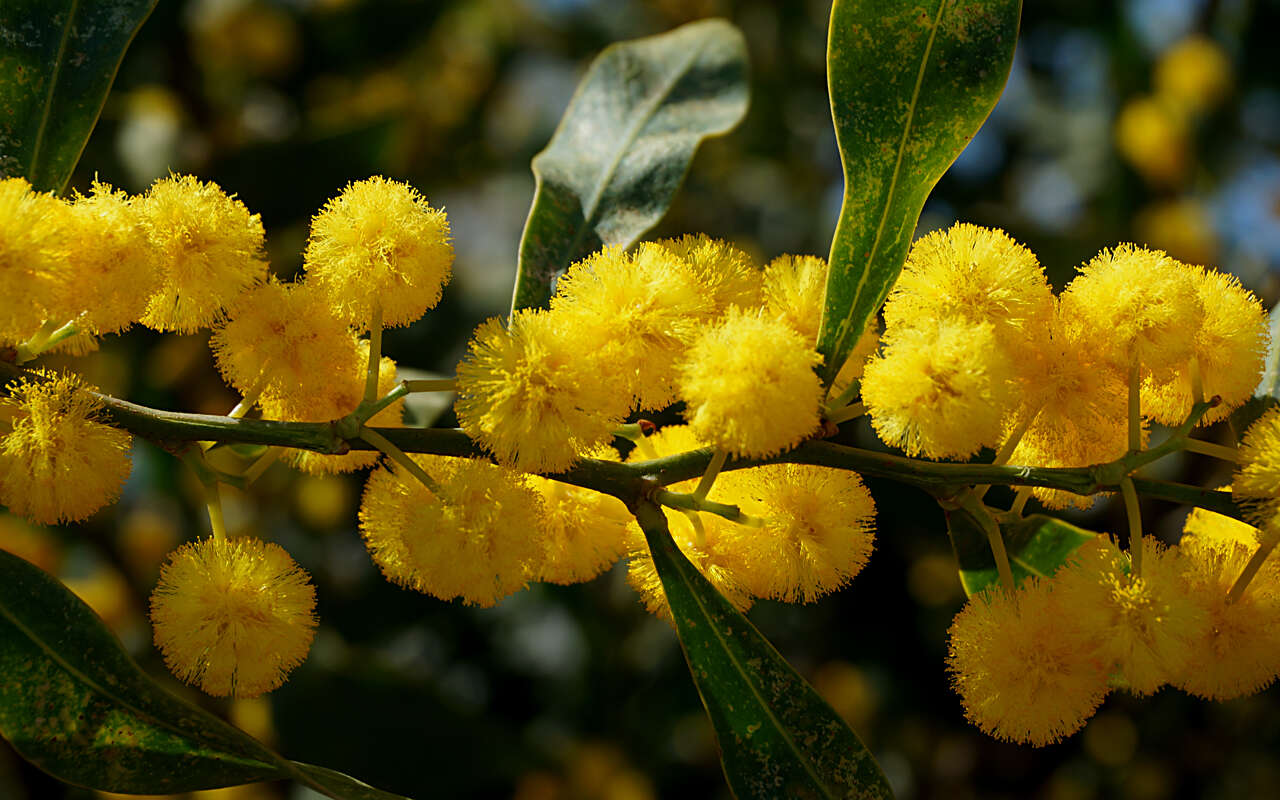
point(33, 266)
point(475, 541)
point(278, 337)
point(114, 266)
point(644, 308)
point(59, 463)
point(536, 394)
point(818, 531)
point(1238, 652)
point(379, 243)
point(583, 533)
point(1227, 353)
point(1080, 410)
point(750, 385)
point(1258, 477)
point(332, 393)
point(794, 287)
point(233, 616)
point(940, 390)
point(1025, 669)
point(977, 274)
point(209, 246)
point(725, 272)
point(1146, 626)
point(1133, 304)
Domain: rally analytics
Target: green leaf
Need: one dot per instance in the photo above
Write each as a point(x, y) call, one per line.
point(1037, 545)
point(57, 62)
point(778, 737)
point(1267, 395)
point(910, 85)
point(74, 704)
point(624, 145)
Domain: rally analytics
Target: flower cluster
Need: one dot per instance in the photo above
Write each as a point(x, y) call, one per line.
point(978, 352)
point(1032, 666)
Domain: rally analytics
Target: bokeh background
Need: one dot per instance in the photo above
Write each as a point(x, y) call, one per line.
point(1155, 121)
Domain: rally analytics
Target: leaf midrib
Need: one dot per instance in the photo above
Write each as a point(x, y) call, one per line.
point(897, 168)
point(680, 566)
point(53, 84)
point(642, 118)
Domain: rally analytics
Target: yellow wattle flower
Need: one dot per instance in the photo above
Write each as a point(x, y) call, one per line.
point(750, 386)
point(818, 529)
point(1025, 669)
point(33, 260)
point(724, 271)
point(209, 247)
point(379, 243)
point(114, 265)
point(233, 616)
point(1257, 479)
point(58, 462)
point(583, 533)
point(942, 390)
point(643, 308)
point(473, 542)
point(794, 287)
point(536, 394)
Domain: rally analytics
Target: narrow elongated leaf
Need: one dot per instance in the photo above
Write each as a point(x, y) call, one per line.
point(625, 143)
point(778, 737)
point(58, 59)
point(1267, 395)
point(74, 704)
point(1037, 545)
point(910, 84)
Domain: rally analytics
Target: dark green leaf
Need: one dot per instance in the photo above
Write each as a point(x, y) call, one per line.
point(778, 737)
point(625, 143)
point(1037, 545)
point(1267, 395)
point(57, 62)
point(910, 84)
point(74, 704)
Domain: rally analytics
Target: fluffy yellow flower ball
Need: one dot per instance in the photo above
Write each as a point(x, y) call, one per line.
point(33, 266)
point(643, 308)
point(536, 393)
point(1238, 652)
point(977, 274)
point(582, 533)
point(1258, 478)
point(209, 246)
point(233, 616)
point(1227, 352)
point(725, 272)
point(1146, 626)
point(941, 390)
point(818, 531)
point(59, 463)
point(379, 243)
point(475, 541)
point(114, 265)
point(278, 337)
point(793, 290)
point(1025, 669)
point(1133, 304)
point(750, 385)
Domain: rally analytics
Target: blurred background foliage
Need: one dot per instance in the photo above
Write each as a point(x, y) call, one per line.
point(1156, 121)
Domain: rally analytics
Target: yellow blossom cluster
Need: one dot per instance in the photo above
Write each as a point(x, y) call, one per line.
point(1033, 666)
point(977, 351)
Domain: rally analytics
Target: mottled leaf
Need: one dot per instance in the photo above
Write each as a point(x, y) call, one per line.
point(58, 59)
point(74, 704)
point(910, 84)
point(624, 145)
point(1037, 545)
point(778, 737)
